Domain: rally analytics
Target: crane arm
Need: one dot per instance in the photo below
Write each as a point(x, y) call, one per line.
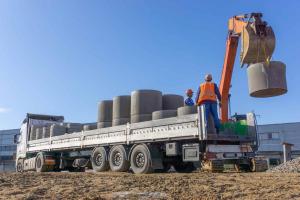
point(258, 43)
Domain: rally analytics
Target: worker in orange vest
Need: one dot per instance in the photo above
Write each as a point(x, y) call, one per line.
point(207, 95)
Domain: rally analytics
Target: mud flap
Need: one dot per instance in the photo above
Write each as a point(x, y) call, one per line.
point(156, 157)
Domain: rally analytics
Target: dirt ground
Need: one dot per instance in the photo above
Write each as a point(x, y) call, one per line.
point(200, 185)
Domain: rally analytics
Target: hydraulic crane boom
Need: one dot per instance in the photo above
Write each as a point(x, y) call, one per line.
point(258, 43)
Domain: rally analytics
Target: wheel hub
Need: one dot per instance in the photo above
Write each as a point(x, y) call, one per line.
point(117, 159)
point(140, 160)
point(99, 159)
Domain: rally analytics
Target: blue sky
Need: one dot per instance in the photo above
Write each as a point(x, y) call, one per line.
point(62, 57)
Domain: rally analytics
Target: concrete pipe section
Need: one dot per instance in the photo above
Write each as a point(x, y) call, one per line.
point(267, 80)
point(172, 101)
point(74, 127)
point(46, 131)
point(121, 110)
point(140, 118)
point(33, 132)
point(143, 103)
point(39, 133)
point(56, 130)
point(186, 110)
point(163, 114)
point(104, 124)
point(120, 121)
point(91, 126)
point(105, 113)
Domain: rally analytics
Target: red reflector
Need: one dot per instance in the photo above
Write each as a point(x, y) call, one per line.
point(210, 155)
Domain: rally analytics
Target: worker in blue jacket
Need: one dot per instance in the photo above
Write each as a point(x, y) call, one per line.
point(207, 95)
point(189, 101)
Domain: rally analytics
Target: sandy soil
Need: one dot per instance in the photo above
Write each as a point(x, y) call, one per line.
point(202, 185)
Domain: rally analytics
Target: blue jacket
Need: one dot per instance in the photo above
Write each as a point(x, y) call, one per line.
point(189, 101)
point(217, 92)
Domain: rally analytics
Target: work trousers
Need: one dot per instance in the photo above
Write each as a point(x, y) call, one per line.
point(212, 108)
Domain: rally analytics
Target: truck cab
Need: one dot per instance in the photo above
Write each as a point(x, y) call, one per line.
point(25, 131)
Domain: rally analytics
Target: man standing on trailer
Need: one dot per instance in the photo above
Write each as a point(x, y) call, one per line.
point(207, 95)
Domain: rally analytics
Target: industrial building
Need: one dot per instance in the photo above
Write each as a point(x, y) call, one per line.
point(271, 138)
point(8, 149)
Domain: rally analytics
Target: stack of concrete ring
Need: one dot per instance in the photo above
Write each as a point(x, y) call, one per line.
point(140, 106)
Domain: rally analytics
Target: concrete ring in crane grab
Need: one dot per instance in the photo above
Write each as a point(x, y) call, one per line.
point(267, 80)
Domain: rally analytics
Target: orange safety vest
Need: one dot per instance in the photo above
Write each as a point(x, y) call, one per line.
point(207, 92)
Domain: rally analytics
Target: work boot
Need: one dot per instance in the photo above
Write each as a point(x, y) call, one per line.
point(218, 131)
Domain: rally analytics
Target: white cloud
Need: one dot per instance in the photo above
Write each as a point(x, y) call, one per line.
point(4, 110)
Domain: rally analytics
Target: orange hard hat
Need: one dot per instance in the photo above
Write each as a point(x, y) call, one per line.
point(189, 91)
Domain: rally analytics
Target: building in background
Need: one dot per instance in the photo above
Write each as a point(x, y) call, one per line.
point(8, 149)
point(271, 138)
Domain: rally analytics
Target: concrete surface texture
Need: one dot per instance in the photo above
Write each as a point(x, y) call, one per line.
point(39, 133)
point(74, 127)
point(121, 110)
point(186, 110)
point(120, 121)
point(104, 124)
point(46, 131)
point(143, 103)
point(90, 126)
point(57, 129)
point(160, 114)
point(105, 111)
point(33, 132)
point(140, 118)
point(172, 101)
point(267, 80)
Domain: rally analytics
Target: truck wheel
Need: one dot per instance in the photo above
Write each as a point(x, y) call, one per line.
point(40, 163)
point(118, 159)
point(184, 167)
point(140, 160)
point(20, 166)
point(99, 160)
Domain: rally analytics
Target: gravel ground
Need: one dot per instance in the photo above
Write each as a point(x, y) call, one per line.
point(290, 166)
point(108, 185)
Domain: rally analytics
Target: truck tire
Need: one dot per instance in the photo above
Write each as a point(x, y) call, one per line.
point(99, 159)
point(140, 160)
point(20, 166)
point(40, 163)
point(118, 161)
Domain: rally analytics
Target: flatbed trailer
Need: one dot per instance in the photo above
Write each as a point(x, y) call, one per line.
point(183, 142)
